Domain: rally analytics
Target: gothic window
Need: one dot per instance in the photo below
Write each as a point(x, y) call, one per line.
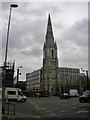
point(52, 53)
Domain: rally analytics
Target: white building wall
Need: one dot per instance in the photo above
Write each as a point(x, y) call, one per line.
point(33, 80)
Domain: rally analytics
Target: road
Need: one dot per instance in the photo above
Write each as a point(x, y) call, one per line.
point(52, 107)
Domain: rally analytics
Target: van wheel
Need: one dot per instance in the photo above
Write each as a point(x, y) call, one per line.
point(22, 100)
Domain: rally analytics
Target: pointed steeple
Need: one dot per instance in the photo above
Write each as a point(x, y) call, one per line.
point(49, 32)
point(49, 26)
point(49, 20)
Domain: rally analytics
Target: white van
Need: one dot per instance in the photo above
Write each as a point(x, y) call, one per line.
point(14, 94)
point(73, 93)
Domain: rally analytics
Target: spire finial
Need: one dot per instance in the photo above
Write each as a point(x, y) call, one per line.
point(49, 20)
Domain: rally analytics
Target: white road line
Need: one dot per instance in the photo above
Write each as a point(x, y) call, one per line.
point(79, 111)
point(43, 108)
point(62, 111)
point(48, 111)
point(53, 114)
point(82, 111)
point(36, 107)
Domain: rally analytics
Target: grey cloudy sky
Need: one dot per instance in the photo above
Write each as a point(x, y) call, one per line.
point(28, 29)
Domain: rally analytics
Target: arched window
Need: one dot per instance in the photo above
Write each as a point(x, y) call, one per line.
point(52, 53)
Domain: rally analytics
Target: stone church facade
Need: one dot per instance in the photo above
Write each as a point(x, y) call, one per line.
point(50, 60)
point(50, 76)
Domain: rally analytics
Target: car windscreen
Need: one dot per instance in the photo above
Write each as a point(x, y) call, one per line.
point(86, 93)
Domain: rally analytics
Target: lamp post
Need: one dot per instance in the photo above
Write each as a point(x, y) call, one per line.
point(14, 6)
point(18, 74)
point(5, 63)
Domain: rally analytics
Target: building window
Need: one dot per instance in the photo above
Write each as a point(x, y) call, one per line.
point(52, 53)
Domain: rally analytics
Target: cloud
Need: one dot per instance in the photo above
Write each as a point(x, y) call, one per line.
point(74, 44)
point(78, 33)
point(28, 29)
point(33, 51)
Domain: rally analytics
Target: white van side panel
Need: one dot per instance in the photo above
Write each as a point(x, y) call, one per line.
point(11, 93)
point(14, 94)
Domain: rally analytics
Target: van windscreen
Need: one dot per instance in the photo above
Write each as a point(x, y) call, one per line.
point(20, 93)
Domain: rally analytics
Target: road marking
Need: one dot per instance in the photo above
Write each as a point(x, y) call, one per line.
point(62, 111)
point(53, 114)
point(79, 111)
point(43, 108)
point(82, 111)
point(35, 105)
point(85, 111)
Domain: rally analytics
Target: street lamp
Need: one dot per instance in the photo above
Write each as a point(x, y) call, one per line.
point(87, 77)
point(14, 6)
point(5, 63)
point(18, 73)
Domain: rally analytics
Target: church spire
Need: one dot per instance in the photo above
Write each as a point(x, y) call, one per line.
point(49, 20)
point(49, 32)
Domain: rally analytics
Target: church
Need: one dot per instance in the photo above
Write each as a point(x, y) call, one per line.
point(50, 76)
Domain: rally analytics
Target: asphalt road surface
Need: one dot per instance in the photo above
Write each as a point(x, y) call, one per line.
point(52, 107)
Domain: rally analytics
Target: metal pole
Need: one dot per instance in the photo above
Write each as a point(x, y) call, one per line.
point(87, 80)
point(7, 36)
point(5, 64)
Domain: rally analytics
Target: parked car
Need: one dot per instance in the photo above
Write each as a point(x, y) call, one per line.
point(42, 93)
point(85, 97)
point(64, 96)
point(28, 93)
